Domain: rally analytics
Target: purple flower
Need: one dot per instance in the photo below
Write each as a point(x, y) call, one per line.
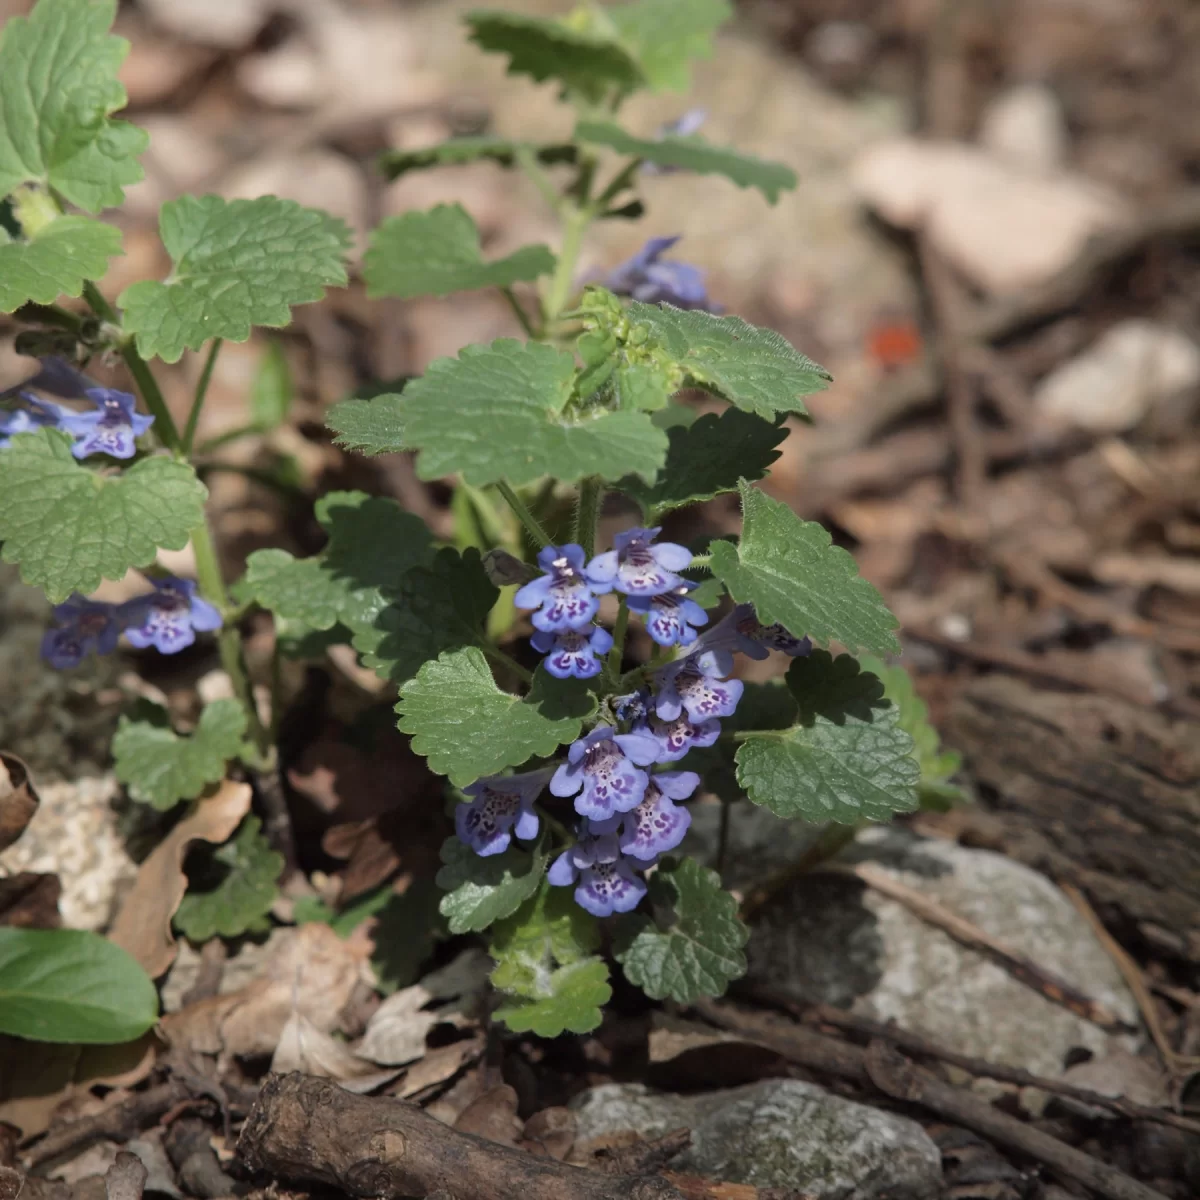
point(637, 568)
point(500, 805)
point(656, 825)
point(676, 737)
point(603, 768)
point(684, 686)
point(169, 617)
point(670, 617)
point(562, 596)
point(25, 420)
point(606, 882)
point(575, 652)
point(683, 126)
point(648, 278)
point(83, 627)
point(112, 428)
point(756, 640)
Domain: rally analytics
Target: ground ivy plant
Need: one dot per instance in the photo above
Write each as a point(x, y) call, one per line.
point(572, 759)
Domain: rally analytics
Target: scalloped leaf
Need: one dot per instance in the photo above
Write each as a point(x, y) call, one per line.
point(68, 527)
point(792, 573)
point(846, 759)
point(693, 154)
point(482, 890)
point(436, 253)
point(707, 458)
point(236, 264)
point(160, 768)
point(461, 150)
point(58, 85)
point(497, 412)
point(700, 953)
point(374, 426)
point(55, 262)
point(665, 36)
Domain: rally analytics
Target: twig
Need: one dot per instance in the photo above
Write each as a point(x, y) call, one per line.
point(971, 935)
point(914, 1043)
point(896, 1077)
point(1175, 1063)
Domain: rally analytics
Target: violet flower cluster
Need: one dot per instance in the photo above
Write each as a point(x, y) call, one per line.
point(649, 277)
point(629, 815)
point(111, 426)
point(168, 618)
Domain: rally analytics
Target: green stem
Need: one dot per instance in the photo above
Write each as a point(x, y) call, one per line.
point(164, 423)
point(518, 312)
point(701, 562)
point(189, 433)
point(620, 182)
point(613, 665)
point(587, 514)
point(528, 162)
point(522, 673)
point(575, 223)
point(532, 526)
point(212, 587)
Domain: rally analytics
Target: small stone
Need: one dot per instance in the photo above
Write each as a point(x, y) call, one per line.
point(777, 1133)
point(1113, 384)
point(1025, 126)
point(229, 24)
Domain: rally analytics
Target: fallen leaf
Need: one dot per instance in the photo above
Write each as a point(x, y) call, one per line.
point(18, 800)
point(550, 1133)
point(304, 1047)
point(493, 1116)
point(439, 1065)
point(29, 900)
point(1120, 1073)
point(143, 926)
point(310, 970)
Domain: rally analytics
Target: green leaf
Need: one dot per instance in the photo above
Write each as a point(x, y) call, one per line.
point(406, 929)
point(58, 85)
point(666, 35)
point(161, 768)
point(467, 727)
point(700, 952)
point(272, 390)
point(585, 57)
point(756, 369)
point(844, 760)
point(230, 888)
point(935, 791)
point(439, 608)
point(709, 458)
point(792, 573)
point(55, 261)
point(69, 527)
point(298, 589)
point(497, 412)
point(460, 150)
point(692, 154)
point(68, 985)
point(437, 252)
point(549, 980)
point(237, 263)
point(374, 426)
point(482, 890)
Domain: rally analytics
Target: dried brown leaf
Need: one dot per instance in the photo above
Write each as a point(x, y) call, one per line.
point(143, 926)
point(550, 1133)
point(438, 1066)
point(18, 800)
point(304, 1047)
point(493, 1116)
point(29, 900)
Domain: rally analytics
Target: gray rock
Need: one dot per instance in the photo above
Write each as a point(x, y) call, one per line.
point(830, 940)
point(777, 1133)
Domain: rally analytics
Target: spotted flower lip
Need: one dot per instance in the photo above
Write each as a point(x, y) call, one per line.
point(683, 687)
point(603, 768)
point(656, 825)
point(670, 617)
point(575, 652)
point(676, 737)
point(500, 806)
point(636, 567)
point(605, 880)
point(563, 596)
point(83, 627)
point(647, 277)
point(169, 617)
point(756, 640)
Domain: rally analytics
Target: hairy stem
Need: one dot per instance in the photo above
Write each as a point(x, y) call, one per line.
point(587, 513)
point(189, 432)
point(528, 520)
point(620, 626)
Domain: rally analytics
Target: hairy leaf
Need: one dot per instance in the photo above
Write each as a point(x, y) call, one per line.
point(374, 426)
point(700, 952)
point(69, 527)
point(437, 252)
point(845, 759)
point(161, 768)
point(237, 263)
point(55, 261)
point(707, 458)
point(460, 150)
point(230, 888)
point(467, 727)
point(792, 573)
point(693, 154)
point(58, 85)
point(69, 985)
point(666, 35)
point(482, 890)
point(497, 412)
